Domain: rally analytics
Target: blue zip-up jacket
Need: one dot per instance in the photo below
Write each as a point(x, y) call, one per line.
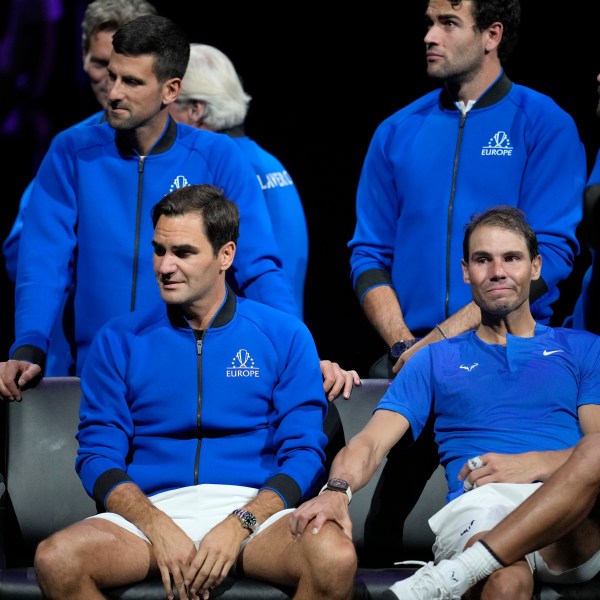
point(91, 202)
point(58, 359)
point(165, 406)
point(285, 211)
point(428, 169)
point(10, 245)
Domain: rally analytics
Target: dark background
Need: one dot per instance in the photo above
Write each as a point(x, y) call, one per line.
point(322, 79)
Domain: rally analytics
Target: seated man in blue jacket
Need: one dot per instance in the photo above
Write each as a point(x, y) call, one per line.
point(200, 430)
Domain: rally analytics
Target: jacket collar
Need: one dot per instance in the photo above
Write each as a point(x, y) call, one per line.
point(163, 144)
point(224, 315)
point(237, 131)
point(498, 90)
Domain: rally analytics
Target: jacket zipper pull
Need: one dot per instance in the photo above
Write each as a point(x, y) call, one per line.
point(199, 347)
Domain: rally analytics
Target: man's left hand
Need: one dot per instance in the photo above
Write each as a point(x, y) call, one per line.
point(336, 380)
point(505, 468)
point(216, 554)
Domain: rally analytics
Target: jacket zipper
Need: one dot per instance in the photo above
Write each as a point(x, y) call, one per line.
point(199, 335)
point(461, 128)
point(138, 221)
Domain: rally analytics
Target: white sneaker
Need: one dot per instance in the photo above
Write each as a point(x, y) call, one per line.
point(432, 582)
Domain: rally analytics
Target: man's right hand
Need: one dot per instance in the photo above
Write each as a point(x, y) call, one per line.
point(14, 376)
point(329, 506)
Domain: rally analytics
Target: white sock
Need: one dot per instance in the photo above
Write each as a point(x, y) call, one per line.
point(478, 562)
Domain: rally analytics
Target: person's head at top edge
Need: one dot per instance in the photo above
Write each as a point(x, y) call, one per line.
point(100, 21)
point(469, 39)
point(500, 260)
point(148, 62)
point(196, 229)
point(212, 95)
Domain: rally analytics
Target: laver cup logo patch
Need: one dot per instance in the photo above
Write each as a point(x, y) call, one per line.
point(242, 365)
point(179, 182)
point(499, 145)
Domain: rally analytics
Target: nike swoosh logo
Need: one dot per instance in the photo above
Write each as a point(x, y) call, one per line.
point(549, 352)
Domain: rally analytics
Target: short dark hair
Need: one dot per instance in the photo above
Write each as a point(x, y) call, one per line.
point(508, 12)
point(507, 217)
point(220, 216)
point(158, 36)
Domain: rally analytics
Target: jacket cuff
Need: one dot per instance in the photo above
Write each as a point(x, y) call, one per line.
point(370, 279)
point(31, 354)
point(286, 487)
point(106, 483)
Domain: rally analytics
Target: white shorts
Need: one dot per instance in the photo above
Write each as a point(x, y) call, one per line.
point(197, 509)
point(482, 508)
point(473, 512)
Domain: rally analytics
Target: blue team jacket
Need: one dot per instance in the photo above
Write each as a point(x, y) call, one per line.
point(90, 204)
point(165, 406)
point(428, 169)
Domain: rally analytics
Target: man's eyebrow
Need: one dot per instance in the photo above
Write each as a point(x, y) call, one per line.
point(176, 247)
point(477, 253)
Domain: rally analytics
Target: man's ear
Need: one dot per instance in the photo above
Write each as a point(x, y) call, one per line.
point(171, 90)
point(493, 36)
point(536, 267)
point(197, 108)
point(226, 255)
point(465, 271)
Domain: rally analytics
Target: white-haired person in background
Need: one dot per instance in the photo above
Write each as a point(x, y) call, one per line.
point(213, 97)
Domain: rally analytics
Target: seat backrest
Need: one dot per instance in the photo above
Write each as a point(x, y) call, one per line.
point(44, 490)
point(46, 493)
point(418, 537)
point(354, 413)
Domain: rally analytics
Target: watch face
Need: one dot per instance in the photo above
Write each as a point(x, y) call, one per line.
point(337, 484)
point(249, 521)
point(396, 350)
point(399, 347)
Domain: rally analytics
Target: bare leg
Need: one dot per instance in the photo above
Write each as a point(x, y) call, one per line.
point(556, 508)
point(87, 556)
point(321, 566)
point(511, 583)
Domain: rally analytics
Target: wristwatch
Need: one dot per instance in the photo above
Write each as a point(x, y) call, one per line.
point(338, 485)
point(399, 347)
point(248, 519)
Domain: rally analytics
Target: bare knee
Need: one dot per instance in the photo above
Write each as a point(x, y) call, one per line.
point(331, 562)
point(508, 584)
point(55, 564)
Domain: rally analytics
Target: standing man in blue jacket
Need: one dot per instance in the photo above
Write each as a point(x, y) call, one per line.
point(477, 141)
point(100, 21)
point(200, 430)
point(94, 188)
point(213, 97)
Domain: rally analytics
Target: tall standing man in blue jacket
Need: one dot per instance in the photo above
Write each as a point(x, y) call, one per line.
point(478, 141)
point(96, 185)
point(100, 21)
point(200, 430)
